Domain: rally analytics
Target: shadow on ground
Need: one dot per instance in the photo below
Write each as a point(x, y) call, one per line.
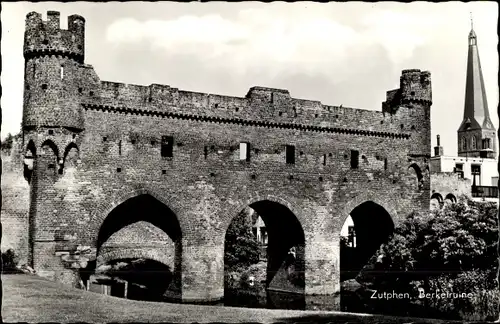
point(358, 318)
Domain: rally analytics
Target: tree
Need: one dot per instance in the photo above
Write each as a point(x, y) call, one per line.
point(241, 247)
point(453, 249)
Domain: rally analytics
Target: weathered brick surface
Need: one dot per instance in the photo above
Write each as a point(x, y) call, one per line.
point(15, 203)
point(91, 134)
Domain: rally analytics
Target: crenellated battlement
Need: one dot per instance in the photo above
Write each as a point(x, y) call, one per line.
point(47, 38)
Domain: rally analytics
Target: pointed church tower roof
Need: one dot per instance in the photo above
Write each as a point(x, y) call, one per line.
point(476, 114)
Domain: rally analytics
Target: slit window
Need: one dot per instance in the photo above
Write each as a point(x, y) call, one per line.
point(167, 146)
point(120, 147)
point(244, 151)
point(62, 72)
point(486, 143)
point(354, 159)
point(290, 154)
point(324, 159)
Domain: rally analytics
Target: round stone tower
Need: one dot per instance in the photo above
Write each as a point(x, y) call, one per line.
point(52, 60)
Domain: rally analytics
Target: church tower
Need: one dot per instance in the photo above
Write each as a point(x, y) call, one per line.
point(476, 134)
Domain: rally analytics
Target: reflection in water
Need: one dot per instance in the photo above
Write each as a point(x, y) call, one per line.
point(274, 299)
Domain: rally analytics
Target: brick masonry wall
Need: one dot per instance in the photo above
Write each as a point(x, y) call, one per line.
point(99, 146)
point(15, 204)
point(445, 183)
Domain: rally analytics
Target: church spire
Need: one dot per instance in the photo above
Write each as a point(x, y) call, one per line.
point(476, 135)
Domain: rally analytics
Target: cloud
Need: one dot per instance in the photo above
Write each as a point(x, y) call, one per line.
point(278, 40)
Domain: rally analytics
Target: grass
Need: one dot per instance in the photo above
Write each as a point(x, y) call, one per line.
point(34, 299)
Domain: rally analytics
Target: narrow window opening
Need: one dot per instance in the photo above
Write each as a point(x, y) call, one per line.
point(402, 126)
point(324, 159)
point(385, 164)
point(34, 70)
point(253, 176)
point(60, 171)
point(132, 141)
point(320, 178)
point(412, 93)
point(301, 153)
point(354, 159)
point(205, 152)
point(290, 177)
point(80, 90)
point(104, 139)
point(163, 171)
point(52, 166)
point(45, 42)
point(381, 122)
point(280, 113)
point(167, 146)
point(62, 72)
point(153, 143)
point(91, 93)
point(315, 115)
point(44, 86)
point(150, 99)
point(244, 151)
point(216, 105)
point(290, 154)
point(237, 109)
point(120, 147)
point(330, 154)
point(51, 132)
point(74, 136)
point(118, 170)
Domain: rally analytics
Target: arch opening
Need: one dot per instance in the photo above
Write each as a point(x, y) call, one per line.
point(450, 198)
point(134, 278)
point(29, 160)
point(143, 236)
point(436, 201)
point(418, 173)
point(48, 159)
point(272, 276)
point(70, 158)
point(369, 225)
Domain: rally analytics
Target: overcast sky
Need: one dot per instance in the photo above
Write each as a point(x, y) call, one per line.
point(338, 53)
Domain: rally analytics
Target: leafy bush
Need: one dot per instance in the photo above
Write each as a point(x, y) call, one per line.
point(9, 262)
point(450, 250)
point(241, 247)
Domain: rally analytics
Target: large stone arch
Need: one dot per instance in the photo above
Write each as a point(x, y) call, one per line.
point(102, 210)
point(129, 208)
point(121, 254)
point(374, 222)
point(280, 242)
point(385, 202)
point(254, 198)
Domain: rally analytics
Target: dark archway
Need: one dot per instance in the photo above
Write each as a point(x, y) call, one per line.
point(283, 245)
point(144, 209)
point(29, 160)
point(418, 173)
point(451, 198)
point(436, 201)
point(373, 226)
point(48, 159)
